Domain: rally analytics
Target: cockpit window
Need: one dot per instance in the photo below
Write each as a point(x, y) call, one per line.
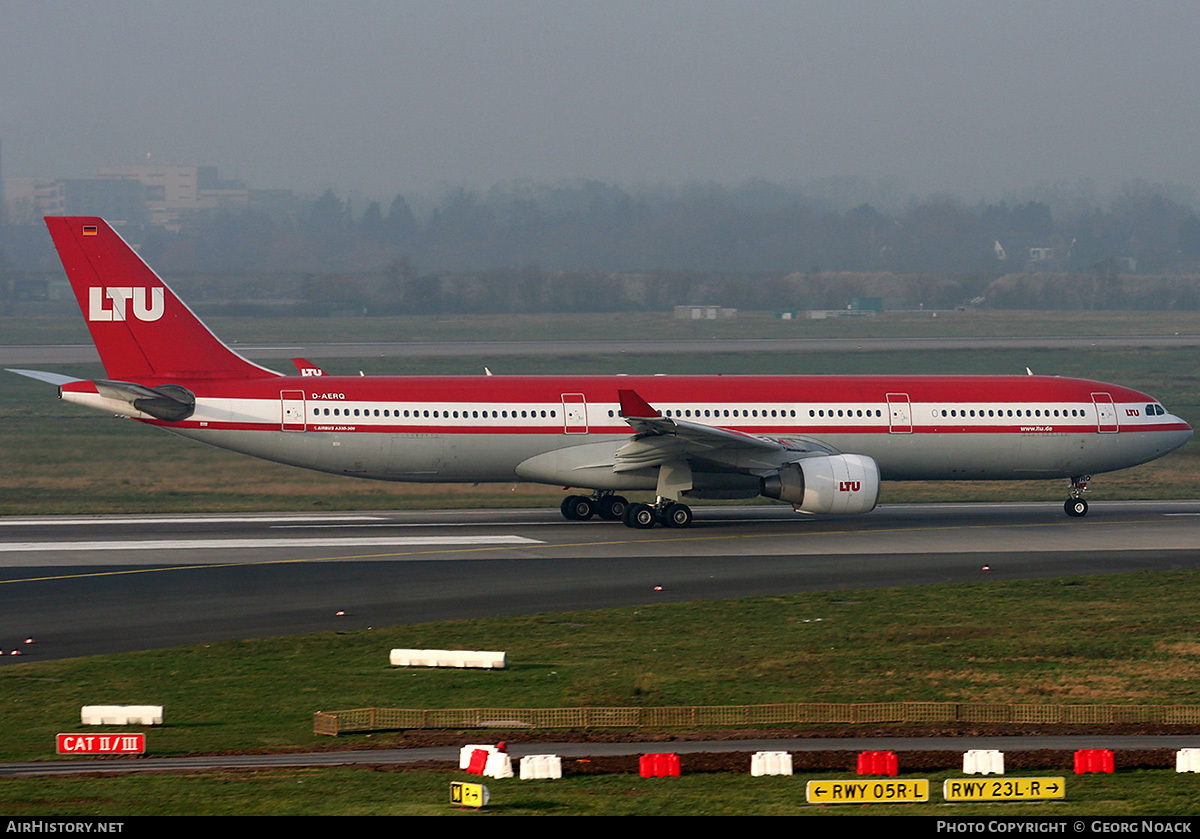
point(1154, 410)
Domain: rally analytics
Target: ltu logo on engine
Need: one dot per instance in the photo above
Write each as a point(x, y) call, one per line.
point(113, 303)
point(849, 486)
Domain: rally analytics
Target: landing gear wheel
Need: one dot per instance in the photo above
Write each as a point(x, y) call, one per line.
point(577, 508)
point(640, 516)
point(612, 507)
point(1076, 507)
point(676, 515)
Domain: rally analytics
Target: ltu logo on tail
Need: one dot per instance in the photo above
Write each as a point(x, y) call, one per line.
point(113, 303)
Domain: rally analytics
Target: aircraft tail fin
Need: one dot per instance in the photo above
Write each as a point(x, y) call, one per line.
point(141, 329)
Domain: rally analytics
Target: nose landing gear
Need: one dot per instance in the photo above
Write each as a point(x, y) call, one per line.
point(1076, 506)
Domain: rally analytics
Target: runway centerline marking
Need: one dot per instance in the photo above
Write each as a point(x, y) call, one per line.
point(59, 521)
point(252, 543)
point(531, 545)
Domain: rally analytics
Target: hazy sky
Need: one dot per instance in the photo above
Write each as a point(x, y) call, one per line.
point(371, 98)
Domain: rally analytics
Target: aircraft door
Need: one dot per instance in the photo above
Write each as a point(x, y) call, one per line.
point(574, 413)
point(1106, 413)
point(899, 413)
point(291, 403)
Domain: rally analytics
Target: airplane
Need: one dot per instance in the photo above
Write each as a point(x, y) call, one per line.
point(823, 444)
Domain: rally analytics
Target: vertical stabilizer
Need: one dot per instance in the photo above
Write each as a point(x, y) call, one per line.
point(140, 328)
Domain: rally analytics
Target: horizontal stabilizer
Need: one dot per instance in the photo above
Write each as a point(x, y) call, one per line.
point(42, 376)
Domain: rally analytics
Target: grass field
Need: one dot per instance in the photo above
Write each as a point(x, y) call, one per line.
point(382, 792)
point(1032, 642)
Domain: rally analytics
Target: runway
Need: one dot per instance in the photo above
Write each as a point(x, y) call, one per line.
point(90, 585)
point(22, 355)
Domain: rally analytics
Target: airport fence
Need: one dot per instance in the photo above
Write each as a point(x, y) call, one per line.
point(687, 716)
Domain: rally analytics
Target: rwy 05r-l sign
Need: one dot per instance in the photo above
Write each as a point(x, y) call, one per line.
point(867, 792)
point(101, 744)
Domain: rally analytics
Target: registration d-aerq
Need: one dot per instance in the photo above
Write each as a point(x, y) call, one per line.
point(821, 443)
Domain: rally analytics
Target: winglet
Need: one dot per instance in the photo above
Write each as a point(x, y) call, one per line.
point(634, 406)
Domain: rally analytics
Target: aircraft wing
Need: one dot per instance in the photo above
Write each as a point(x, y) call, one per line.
point(658, 440)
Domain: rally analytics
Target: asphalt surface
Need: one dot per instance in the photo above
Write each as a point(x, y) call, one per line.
point(83, 586)
point(19, 355)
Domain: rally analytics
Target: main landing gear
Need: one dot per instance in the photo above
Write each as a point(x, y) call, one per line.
point(666, 513)
point(1075, 505)
point(612, 507)
point(603, 504)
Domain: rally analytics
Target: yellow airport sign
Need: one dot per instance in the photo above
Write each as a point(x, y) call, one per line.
point(881, 791)
point(1003, 789)
point(468, 795)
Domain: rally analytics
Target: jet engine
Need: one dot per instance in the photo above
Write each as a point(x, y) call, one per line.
point(839, 484)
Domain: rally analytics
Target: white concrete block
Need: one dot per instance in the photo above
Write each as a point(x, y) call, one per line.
point(983, 762)
point(464, 754)
point(540, 766)
point(486, 659)
point(121, 714)
point(499, 765)
point(770, 763)
point(1187, 760)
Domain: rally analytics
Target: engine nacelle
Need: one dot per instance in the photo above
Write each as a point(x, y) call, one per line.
point(840, 484)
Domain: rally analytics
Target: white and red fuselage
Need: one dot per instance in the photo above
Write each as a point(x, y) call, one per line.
point(484, 428)
point(789, 437)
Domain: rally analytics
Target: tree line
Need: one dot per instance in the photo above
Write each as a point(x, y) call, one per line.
point(596, 246)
